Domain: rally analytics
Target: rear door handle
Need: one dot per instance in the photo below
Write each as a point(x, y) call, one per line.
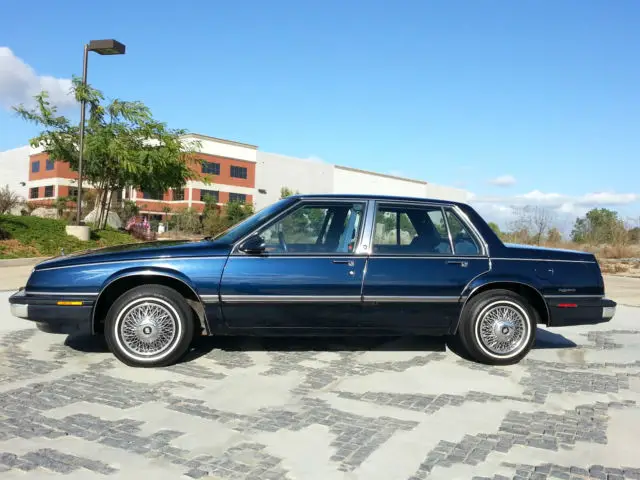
point(462, 263)
point(344, 262)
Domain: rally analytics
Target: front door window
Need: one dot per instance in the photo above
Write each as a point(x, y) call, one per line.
point(328, 228)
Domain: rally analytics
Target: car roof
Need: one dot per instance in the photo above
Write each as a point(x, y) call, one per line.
point(359, 196)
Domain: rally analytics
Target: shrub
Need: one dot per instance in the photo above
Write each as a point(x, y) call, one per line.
point(188, 221)
point(35, 236)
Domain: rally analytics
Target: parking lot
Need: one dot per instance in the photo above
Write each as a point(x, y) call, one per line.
point(404, 408)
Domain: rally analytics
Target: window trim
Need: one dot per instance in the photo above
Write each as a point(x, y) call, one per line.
point(246, 172)
point(152, 199)
point(463, 219)
point(484, 246)
point(292, 208)
point(209, 191)
point(210, 163)
point(244, 201)
point(173, 194)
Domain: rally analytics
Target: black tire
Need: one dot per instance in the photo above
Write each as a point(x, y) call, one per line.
point(173, 318)
point(486, 303)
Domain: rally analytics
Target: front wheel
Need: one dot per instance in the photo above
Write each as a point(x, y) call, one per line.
point(498, 327)
point(149, 326)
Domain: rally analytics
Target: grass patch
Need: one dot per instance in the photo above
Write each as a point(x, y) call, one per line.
point(23, 236)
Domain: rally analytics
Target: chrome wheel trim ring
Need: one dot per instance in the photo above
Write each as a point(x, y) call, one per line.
point(148, 329)
point(503, 329)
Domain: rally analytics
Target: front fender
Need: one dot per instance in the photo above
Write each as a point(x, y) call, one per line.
point(149, 271)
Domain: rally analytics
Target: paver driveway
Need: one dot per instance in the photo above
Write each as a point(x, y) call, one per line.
point(322, 409)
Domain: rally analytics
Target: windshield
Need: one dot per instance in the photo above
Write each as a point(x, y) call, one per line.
point(239, 230)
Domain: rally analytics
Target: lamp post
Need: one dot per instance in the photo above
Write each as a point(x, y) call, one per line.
point(102, 47)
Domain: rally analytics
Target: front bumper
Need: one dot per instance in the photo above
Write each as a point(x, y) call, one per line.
point(73, 316)
point(580, 311)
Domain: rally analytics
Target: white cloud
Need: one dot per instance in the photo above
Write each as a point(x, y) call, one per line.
point(566, 207)
point(503, 181)
point(19, 82)
point(556, 200)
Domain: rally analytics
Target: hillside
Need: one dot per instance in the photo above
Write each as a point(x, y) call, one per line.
point(24, 236)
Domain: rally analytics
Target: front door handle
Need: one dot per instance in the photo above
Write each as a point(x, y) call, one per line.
point(462, 263)
point(344, 262)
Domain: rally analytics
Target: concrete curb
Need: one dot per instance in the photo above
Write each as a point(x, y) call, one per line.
point(21, 262)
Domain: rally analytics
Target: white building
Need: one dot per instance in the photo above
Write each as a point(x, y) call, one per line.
point(237, 172)
point(14, 169)
point(274, 171)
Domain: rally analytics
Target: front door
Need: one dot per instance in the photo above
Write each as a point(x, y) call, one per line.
point(308, 275)
point(422, 258)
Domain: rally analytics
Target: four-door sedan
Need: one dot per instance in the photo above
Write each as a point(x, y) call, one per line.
point(321, 265)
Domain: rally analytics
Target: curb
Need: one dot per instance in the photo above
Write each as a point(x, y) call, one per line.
point(21, 262)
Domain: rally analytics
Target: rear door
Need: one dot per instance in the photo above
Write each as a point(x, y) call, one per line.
point(422, 258)
point(309, 275)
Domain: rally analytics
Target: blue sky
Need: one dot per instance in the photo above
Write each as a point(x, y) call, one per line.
point(502, 98)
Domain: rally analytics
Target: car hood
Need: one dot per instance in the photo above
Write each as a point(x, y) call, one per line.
point(545, 253)
point(140, 251)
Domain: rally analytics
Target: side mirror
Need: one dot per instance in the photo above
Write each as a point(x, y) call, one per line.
point(253, 245)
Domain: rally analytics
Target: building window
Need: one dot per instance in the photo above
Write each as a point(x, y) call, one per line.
point(73, 193)
point(50, 164)
point(178, 195)
point(211, 168)
point(48, 191)
point(238, 172)
point(33, 192)
point(35, 167)
point(214, 195)
point(153, 195)
point(237, 197)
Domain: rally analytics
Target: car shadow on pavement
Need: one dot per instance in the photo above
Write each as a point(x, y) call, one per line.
point(205, 345)
point(551, 340)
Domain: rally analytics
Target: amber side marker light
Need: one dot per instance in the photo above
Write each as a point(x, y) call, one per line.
point(70, 303)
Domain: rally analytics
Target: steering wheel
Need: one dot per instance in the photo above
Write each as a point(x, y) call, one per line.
point(283, 244)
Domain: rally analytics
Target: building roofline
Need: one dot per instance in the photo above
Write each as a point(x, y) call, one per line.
point(221, 140)
point(27, 146)
point(384, 175)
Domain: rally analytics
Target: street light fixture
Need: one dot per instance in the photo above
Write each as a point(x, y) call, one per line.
point(101, 47)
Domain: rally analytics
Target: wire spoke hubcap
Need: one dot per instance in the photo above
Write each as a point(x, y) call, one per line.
point(148, 329)
point(503, 329)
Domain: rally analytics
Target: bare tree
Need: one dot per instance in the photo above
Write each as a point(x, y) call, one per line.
point(532, 221)
point(8, 200)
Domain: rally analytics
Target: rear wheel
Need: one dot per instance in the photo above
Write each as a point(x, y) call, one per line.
point(498, 327)
point(149, 326)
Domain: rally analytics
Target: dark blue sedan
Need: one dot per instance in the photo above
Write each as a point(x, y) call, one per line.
point(321, 265)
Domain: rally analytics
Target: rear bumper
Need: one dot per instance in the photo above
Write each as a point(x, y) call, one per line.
point(49, 316)
point(568, 312)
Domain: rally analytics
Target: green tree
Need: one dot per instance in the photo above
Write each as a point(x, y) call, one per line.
point(213, 222)
point(61, 205)
point(554, 236)
point(8, 200)
point(188, 221)
point(124, 145)
point(235, 212)
point(287, 192)
point(127, 210)
point(598, 226)
point(496, 228)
